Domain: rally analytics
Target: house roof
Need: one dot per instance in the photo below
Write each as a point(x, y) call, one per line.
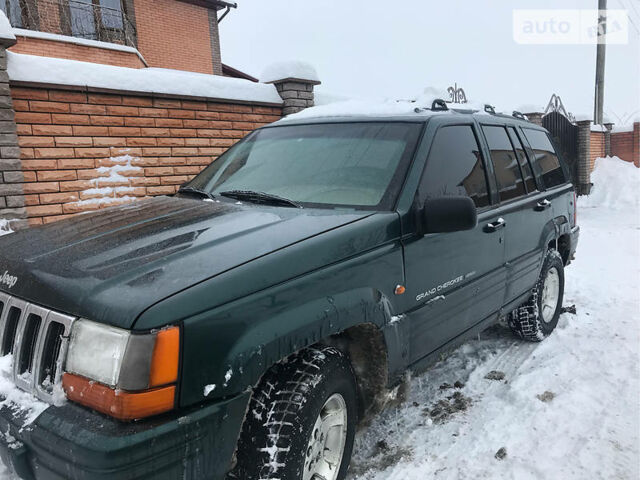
point(229, 71)
point(214, 4)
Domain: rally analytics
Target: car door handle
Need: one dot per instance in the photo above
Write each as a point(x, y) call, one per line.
point(543, 205)
point(497, 225)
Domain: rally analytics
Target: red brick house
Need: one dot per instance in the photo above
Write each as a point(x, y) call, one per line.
point(127, 33)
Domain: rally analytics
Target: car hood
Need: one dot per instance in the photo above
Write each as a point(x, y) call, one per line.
point(111, 265)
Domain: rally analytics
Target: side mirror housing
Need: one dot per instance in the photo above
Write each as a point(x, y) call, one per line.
point(448, 214)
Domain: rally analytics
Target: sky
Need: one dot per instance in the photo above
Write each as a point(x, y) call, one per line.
point(382, 49)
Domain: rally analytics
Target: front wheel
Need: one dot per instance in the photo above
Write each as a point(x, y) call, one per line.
point(538, 316)
point(301, 420)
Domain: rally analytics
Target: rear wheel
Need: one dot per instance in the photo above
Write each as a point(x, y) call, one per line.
point(538, 316)
point(301, 420)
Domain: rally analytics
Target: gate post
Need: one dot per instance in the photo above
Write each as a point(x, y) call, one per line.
point(607, 139)
point(535, 117)
point(11, 177)
point(584, 151)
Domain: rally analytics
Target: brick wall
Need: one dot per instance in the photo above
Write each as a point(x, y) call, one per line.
point(174, 34)
point(626, 145)
point(71, 51)
point(83, 151)
point(596, 148)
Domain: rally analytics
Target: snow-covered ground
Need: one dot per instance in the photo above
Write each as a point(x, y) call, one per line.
point(566, 408)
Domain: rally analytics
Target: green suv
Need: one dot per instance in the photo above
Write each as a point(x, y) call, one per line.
point(243, 327)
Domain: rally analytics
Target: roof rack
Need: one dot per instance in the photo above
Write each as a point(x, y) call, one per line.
point(438, 105)
point(519, 115)
point(490, 109)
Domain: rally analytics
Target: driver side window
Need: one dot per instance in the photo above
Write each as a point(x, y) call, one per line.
point(455, 166)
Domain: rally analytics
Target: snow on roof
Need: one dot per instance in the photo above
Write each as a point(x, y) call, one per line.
point(20, 32)
point(57, 71)
point(350, 108)
point(294, 70)
point(6, 31)
point(581, 117)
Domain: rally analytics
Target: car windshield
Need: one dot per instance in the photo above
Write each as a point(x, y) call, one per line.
point(359, 165)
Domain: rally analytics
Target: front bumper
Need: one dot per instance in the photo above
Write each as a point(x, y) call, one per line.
point(73, 443)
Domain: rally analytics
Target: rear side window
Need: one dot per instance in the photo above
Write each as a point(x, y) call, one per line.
point(455, 166)
point(545, 160)
point(529, 179)
point(505, 163)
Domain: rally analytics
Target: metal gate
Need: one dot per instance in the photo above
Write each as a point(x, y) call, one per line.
point(565, 133)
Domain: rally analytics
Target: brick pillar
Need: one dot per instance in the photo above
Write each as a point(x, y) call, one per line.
point(584, 154)
point(297, 94)
point(11, 196)
point(607, 139)
point(535, 117)
point(635, 151)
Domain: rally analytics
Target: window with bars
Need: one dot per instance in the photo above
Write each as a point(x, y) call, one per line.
point(103, 20)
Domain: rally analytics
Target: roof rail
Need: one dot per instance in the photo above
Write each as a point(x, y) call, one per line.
point(519, 115)
point(439, 104)
point(490, 109)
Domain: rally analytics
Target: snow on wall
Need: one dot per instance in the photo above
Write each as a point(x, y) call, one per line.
point(6, 32)
point(4, 227)
point(105, 194)
point(616, 184)
point(289, 69)
point(57, 71)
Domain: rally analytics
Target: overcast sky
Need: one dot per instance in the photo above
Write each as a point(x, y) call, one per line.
point(376, 48)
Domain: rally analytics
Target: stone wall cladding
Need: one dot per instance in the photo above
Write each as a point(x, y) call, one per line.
point(626, 145)
point(296, 95)
point(584, 156)
point(12, 200)
point(82, 151)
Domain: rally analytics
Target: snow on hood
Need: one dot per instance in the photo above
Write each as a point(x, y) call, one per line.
point(616, 184)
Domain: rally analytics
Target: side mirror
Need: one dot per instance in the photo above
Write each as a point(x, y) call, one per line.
point(448, 214)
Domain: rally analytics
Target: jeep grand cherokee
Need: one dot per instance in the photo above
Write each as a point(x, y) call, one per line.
point(243, 326)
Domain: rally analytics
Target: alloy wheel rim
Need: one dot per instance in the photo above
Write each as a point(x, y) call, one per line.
point(325, 448)
point(550, 294)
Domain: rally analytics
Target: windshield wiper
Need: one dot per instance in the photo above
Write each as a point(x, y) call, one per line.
point(260, 197)
point(197, 191)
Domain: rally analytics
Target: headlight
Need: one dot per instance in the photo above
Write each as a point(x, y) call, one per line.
point(96, 351)
point(123, 374)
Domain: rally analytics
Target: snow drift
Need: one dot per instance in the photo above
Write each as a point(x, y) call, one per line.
point(616, 185)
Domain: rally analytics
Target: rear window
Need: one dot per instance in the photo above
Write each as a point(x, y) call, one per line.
point(455, 166)
point(505, 163)
point(545, 159)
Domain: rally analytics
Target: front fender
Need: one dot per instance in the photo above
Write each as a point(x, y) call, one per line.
point(226, 350)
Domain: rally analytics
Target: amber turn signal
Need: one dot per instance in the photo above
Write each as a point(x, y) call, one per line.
point(117, 403)
point(166, 354)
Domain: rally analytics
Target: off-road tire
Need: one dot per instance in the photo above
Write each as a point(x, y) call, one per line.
point(282, 412)
point(526, 320)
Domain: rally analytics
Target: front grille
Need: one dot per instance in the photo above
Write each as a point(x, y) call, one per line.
point(37, 338)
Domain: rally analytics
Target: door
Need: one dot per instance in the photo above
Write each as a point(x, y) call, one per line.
point(454, 280)
point(523, 207)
